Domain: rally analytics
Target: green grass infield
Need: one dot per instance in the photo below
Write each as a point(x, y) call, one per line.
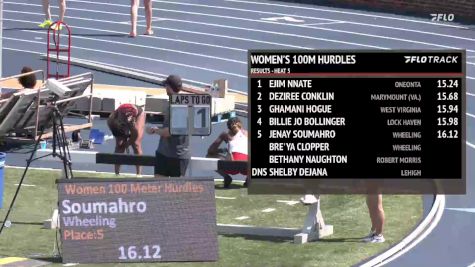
point(347, 213)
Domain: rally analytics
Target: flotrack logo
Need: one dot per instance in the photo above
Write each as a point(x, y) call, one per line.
point(443, 17)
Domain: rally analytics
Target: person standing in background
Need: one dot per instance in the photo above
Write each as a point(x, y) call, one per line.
point(173, 153)
point(134, 8)
point(376, 214)
point(46, 9)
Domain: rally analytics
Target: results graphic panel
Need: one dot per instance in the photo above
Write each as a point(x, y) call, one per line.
point(357, 115)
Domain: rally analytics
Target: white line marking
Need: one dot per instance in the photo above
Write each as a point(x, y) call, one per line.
point(134, 45)
point(470, 94)
point(143, 20)
point(470, 144)
point(470, 56)
point(284, 18)
point(27, 185)
point(139, 57)
point(324, 23)
point(268, 210)
point(346, 12)
point(319, 18)
point(472, 265)
point(471, 210)
point(220, 26)
point(470, 115)
point(171, 29)
point(403, 248)
point(224, 197)
point(288, 202)
point(242, 218)
point(21, 50)
point(299, 26)
point(38, 38)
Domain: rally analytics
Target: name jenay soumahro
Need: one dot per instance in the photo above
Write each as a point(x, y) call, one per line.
point(73, 212)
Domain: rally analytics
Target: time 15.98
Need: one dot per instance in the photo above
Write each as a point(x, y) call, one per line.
point(139, 253)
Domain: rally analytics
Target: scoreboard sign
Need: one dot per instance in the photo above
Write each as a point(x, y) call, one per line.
point(357, 115)
point(190, 114)
point(140, 220)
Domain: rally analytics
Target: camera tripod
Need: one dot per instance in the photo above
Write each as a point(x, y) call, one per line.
point(60, 150)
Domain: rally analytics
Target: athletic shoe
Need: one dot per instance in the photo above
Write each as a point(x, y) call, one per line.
point(369, 236)
point(46, 23)
point(377, 239)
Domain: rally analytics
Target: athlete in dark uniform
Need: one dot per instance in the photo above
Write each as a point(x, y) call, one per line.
point(127, 125)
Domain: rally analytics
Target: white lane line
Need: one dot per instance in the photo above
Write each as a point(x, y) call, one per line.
point(131, 44)
point(288, 202)
point(299, 26)
point(286, 24)
point(470, 144)
point(470, 56)
point(470, 115)
point(310, 17)
point(414, 238)
point(470, 94)
point(21, 50)
point(139, 57)
point(242, 218)
point(348, 13)
point(268, 210)
point(471, 210)
point(218, 25)
point(294, 25)
point(218, 197)
point(324, 23)
point(284, 18)
point(143, 20)
point(472, 265)
point(175, 30)
point(27, 185)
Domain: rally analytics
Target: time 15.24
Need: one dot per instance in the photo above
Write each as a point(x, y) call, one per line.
point(138, 253)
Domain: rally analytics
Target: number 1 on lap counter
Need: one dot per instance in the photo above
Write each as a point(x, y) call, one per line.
point(200, 115)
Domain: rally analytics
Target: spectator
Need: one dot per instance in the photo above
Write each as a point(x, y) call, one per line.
point(376, 213)
point(62, 10)
point(27, 81)
point(236, 138)
point(173, 153)
point(127, 124)
point(134, 13)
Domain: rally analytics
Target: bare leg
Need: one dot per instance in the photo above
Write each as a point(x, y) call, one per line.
point(375, 207)
point(137, 147)
point(120, 146)
point(148, 16)
point(134, 8)
point(62, 9)
point(46, 9)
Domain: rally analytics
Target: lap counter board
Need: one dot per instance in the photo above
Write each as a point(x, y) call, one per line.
point(346, 121)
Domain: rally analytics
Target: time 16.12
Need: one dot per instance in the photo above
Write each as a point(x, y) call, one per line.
point(139, 253)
